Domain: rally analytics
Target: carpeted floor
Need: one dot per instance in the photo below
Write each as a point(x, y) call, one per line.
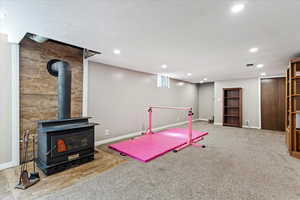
point(238, 164)
point(56, 182)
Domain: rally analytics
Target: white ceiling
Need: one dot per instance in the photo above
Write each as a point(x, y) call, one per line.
point(198, 36)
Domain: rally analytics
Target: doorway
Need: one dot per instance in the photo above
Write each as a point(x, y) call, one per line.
point(273, 104)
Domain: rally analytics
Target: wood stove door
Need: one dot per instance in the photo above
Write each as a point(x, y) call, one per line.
point(71, 142)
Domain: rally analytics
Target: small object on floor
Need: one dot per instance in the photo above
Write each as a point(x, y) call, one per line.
point(96, 150)
point(25, 181)
point(123, 154)
point(211, 120)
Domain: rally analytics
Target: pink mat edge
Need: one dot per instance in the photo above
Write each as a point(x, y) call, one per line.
point(162, 153)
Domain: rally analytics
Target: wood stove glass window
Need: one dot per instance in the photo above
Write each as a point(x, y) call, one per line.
point(71, 142)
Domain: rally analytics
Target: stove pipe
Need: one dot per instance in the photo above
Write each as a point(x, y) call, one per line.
point(60, 69)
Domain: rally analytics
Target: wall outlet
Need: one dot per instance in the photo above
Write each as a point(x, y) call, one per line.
point(106, 132)
point(247, 122)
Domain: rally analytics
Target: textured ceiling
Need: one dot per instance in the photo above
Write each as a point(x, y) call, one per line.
point(198, 36)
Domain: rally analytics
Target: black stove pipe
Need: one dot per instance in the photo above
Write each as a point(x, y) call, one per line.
point(60, 69)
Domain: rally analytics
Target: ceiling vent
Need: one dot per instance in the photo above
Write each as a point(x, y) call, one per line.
point(249, 65)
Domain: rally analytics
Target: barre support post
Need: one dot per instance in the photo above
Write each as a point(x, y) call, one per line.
point(190, 116)
point(150, 121)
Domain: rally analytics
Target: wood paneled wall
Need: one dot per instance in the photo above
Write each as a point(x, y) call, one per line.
point(38, 89)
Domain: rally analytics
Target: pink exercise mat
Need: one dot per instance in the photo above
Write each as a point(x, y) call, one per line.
point(148, 147)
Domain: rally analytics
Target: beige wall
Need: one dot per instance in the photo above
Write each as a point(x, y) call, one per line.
point(251, 98)
point(206, 100)
point(5, 101)
point(118, 100)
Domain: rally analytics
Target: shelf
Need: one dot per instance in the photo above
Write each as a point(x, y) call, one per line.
point(292, 95)
point(295, 154)
point(232, 98)
point(295, 95)
point(295, 60)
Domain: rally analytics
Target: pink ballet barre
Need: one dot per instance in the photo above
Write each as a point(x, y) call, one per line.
point(154, 144)
point(190, 140)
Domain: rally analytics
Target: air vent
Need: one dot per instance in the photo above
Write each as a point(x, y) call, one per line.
point(249, 65)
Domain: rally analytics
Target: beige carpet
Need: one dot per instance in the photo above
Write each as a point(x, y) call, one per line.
point(238, 164)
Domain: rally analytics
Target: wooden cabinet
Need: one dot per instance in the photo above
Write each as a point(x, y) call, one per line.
point(293, 108)
point(232, 107)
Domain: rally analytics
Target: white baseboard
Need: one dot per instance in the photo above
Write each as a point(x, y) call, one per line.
point(218, 124)
point(122, 137)
point(203, 119)
point(134, 134)
point(8, 165)
point(254, 127)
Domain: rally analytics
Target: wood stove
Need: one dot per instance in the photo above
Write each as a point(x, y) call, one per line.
point(65, 142)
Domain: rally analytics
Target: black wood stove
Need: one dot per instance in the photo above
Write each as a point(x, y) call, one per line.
point(65, 142)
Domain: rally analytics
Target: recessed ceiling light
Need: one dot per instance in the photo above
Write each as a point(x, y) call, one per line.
point(237, 8)
point(205, 79)
point(253, 50)
point(164, 66)
point(201, 81)
point(117, 51)
point(180, 83)
point(189, 74)
point(263, 74)
point(260, 66)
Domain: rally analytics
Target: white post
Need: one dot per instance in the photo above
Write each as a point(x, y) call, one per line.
point(15, 109)
point(259, 103)
point(85, 87)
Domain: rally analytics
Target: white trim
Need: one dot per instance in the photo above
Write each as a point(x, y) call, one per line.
point(218, 124)
point(203, 119)
point(15, 109)
point(134, 134)
point(85, 87)
point(259, 103)
point(253, 127)
point(7, 165)
point(109, 140)
point(277, 76)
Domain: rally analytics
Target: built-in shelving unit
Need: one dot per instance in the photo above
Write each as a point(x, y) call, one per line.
point(232, 107)
point(293, 107)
